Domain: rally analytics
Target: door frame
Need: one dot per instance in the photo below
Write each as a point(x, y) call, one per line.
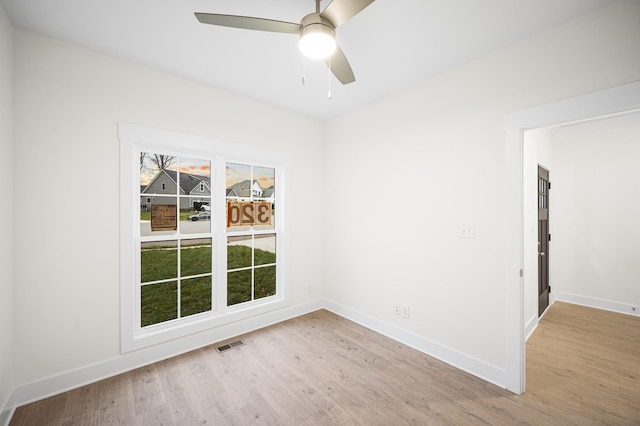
point(616, 100)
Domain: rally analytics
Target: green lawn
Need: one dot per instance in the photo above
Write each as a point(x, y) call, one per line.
point(159, 302)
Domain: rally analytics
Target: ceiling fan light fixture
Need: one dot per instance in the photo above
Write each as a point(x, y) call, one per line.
point(317, 39)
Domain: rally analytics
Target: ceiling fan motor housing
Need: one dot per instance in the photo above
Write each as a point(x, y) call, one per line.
point(317, 19)
point(315, 29)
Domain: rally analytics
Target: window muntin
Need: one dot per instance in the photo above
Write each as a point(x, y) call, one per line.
point(543, 193)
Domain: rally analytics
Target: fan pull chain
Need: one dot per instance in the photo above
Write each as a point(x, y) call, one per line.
point(329, 82)
point(304, 70)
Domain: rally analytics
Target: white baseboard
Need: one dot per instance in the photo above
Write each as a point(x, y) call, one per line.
point(47, 387)
point(531, 326)
point(481, 369)
point(607, 305)
point(44, 388)
point(6, 412)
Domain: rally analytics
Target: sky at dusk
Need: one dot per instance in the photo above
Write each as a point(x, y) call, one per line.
point(192, 166)
point(239, 172)
point(235, 172)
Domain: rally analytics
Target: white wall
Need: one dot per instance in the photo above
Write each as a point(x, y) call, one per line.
point(6, 210)
point(68, 104)
point(404, 173)
point(537, 150)
point(596, 195)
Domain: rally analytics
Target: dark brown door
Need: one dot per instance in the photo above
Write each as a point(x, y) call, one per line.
point(543, 240)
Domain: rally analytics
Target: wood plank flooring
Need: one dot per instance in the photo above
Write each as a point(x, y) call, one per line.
point(583, 368)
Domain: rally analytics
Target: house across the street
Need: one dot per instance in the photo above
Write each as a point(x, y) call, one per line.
point(195, 188)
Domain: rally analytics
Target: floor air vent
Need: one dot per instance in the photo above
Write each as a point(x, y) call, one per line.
point(230, 345)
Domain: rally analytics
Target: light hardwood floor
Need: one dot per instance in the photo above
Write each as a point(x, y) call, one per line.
point(583, 367)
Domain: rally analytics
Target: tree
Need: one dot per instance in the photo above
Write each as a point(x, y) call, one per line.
point(162, 161)
point(143, 155)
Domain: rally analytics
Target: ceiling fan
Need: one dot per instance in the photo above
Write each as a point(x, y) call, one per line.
point(317, 31)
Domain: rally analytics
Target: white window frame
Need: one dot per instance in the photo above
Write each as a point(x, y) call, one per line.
point(133, 140)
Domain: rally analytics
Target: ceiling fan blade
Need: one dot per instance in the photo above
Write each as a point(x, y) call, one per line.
point(340, 11)
point(339, 66)
point(248, 23)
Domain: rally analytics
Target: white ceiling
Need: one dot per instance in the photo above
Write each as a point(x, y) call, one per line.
point(390, 45)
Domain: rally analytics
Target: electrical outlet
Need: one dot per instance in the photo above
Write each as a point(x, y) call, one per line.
point(396, 309)
point(467, 230)
point(309, 288)
point(404, 311)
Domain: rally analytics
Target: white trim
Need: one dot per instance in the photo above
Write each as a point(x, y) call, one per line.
point(54, 385)
point(469, 364)
point(585, 107)
point(6, 411)
point(514, 265)
point(592, 302)
point(531, 326)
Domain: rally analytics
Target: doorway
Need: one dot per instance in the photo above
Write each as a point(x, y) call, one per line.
point(585, 107)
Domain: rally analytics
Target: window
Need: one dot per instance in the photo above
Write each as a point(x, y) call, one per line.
point(207, 247)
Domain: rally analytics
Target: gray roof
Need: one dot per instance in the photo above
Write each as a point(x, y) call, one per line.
point(187, 181)
point(240, 189)
point(268, 192)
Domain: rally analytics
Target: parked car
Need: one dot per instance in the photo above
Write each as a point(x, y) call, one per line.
point(200, 216)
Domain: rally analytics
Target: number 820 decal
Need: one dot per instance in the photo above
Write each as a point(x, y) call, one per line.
point(248, 213)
